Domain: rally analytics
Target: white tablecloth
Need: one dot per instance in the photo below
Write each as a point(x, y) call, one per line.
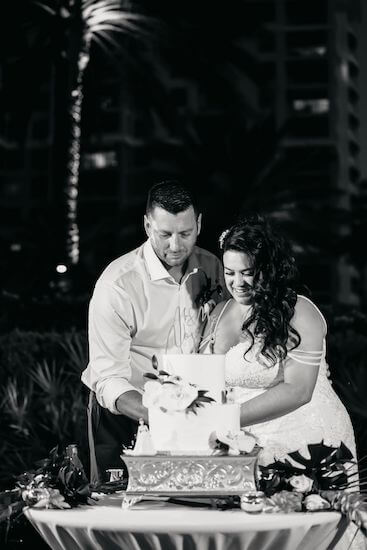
point(161, 526)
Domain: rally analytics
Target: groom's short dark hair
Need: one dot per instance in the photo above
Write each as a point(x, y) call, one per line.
point(170, 195)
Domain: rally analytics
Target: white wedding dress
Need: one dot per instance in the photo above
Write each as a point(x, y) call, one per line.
point(324, 418)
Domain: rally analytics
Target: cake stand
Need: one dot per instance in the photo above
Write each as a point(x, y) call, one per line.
point(209, 476)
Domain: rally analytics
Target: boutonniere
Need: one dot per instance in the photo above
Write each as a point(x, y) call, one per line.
point(205, 300)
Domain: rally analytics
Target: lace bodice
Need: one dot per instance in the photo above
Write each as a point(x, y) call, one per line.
point(251, 370)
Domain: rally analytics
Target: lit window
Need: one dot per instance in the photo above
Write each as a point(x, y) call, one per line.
point(344, 73)
point(99, 160)
point(316, 106)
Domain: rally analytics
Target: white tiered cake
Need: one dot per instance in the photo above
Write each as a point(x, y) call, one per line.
point(207, 371)
point(188, 432)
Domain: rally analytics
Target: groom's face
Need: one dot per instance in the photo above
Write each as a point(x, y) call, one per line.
point(173, 236)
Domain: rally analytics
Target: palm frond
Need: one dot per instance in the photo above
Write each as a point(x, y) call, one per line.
point(107, 39)
point(95, 38)
point(106, 26)
point(12, 458)
point(102, 4)
point(57, 419)
point(111, 12)
point(16, 404)
point(49, 379)
point(13, 401)
point(45, 7)
point(75, 347)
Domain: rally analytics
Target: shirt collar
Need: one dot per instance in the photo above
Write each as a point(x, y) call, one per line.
point(157, 270)
point(155, 267)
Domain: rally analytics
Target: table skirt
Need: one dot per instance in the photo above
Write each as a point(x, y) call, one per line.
point(182, 528)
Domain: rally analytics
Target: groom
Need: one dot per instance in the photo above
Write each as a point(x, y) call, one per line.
point(146, 302)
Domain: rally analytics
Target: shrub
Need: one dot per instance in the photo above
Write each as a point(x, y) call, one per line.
point(347, 353)
point(42, 401)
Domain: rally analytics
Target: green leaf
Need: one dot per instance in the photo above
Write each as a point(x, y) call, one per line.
point(205, 399)
point(150, 375)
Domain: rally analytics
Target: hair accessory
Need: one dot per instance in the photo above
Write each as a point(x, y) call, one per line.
point(222, 237)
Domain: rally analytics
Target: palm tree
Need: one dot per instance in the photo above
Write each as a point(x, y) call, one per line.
point(81, 23)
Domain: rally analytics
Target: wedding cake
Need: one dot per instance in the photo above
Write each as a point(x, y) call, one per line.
point(194, 445)
point(207, 371)
point(186, 407)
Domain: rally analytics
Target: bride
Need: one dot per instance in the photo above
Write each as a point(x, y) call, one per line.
point(274, 341)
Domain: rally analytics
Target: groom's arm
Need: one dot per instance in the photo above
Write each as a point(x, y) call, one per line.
point(130, 404)
point(111, 324)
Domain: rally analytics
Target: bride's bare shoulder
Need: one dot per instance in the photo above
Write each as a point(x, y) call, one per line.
point(308, 318)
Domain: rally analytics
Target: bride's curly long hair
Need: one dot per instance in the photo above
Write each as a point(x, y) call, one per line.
point(275, 282)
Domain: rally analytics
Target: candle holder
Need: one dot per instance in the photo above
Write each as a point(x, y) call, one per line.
point(252, 501)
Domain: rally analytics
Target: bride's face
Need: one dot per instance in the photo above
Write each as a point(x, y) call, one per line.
point(239, 275)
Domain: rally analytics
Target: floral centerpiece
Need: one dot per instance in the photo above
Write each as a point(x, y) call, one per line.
point(57, 481)
point(232, 443)
point(325, 479)
point(172, 393)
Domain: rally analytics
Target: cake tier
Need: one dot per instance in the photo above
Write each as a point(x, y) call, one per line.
point(189, 433)
point(206, 371)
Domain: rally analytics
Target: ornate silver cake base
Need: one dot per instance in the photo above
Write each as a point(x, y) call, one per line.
point(200, 476)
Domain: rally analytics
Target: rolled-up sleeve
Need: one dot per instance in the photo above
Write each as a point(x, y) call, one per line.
point(111, 326)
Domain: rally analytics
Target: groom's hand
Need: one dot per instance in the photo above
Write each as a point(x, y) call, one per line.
point(130, 404)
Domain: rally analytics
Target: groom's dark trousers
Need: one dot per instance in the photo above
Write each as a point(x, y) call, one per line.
point(107, 434)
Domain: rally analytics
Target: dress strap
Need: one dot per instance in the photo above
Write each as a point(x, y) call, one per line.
point(214, 333)
point(309, 357)
point(220, 316)
point(210, 339)
point(306, 357)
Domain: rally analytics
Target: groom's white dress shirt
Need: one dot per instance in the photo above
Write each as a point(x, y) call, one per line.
point(138, 310)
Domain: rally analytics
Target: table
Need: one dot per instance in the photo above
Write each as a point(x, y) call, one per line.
point(158, 525)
